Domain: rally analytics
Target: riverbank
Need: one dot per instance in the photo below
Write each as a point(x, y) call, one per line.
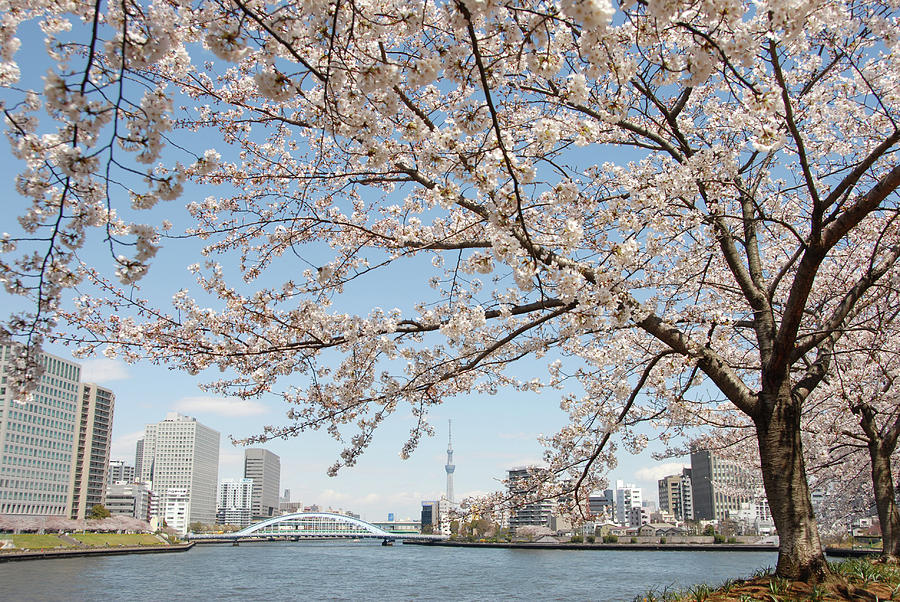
point(854, 580)
point(833, 552)
point(14, 555)
point(631, 547)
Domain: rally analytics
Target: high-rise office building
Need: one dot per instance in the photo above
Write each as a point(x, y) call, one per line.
point(234, 502)
point(676, 495)
point(264, 469)
point(181, 459)
point(536, 513)
point(87, 484)
point(38, 437)
point(144, 472)
point(138, 458)
point(54, 444)
point(119, 472)
point(719, 486)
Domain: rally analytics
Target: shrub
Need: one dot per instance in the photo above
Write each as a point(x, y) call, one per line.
point(590, 539)
point(662, 540)
point(577, 539)
point(732, 540)
point(634, 540)
point(718, 538)
point(610, 539)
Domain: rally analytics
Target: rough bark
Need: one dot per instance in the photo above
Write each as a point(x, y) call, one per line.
point(888, 514)
point(881, 445)
point(800, 553)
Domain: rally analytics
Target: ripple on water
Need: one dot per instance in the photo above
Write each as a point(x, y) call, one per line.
point(368, 571)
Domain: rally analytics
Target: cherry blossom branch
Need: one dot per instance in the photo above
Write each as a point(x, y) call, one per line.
point(607, 432)
point(275, 36)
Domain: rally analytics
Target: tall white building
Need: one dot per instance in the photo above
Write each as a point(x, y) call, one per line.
point(234, 502)
point(87, 484)
point(138, 459)
point(146, 449)
point(181, 460)
point(264, 469)
point(37, 438)
point(628, 496)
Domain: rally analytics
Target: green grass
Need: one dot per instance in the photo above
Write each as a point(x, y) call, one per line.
point(33, 541)
point(859, 572)
point(867, 571)
point(117, 539)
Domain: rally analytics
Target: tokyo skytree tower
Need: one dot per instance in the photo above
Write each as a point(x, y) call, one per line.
point(449, 467)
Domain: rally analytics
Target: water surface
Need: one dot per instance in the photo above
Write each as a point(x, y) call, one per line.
point(343, 570)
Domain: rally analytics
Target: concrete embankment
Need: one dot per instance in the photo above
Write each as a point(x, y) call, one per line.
point(631, 547)
point(716, 547)
point(851, 553)
point(110, 551)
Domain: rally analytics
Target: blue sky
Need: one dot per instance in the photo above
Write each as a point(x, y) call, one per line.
point(490, 433)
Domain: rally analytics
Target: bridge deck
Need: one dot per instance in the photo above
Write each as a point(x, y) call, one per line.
point(313, 525)
point(306, 535)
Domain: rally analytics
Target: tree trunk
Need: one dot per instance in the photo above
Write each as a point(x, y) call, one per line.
point(888, 514)
point(800, 554)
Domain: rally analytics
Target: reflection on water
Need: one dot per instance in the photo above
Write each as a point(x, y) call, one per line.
point(368, 571)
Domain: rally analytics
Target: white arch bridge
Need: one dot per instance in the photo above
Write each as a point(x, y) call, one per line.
point(312, 525)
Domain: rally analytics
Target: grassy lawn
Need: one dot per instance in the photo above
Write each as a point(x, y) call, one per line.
point(33, 541)
point(116, 539)
point(854, 580)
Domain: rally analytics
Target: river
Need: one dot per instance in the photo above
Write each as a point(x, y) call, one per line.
point(342, 570)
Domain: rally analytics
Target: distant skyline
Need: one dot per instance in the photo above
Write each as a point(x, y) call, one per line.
point(486, 441)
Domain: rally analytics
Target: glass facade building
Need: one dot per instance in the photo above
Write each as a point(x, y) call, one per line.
point(38, 438)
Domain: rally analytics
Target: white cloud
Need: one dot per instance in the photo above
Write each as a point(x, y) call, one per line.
point(231, 407)
point(328, 497)
point(103, 370)
point(122, 447)
point(655, 473)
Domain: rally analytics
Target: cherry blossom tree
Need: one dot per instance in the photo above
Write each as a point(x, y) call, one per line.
point(853, 422)
point(657, 197)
